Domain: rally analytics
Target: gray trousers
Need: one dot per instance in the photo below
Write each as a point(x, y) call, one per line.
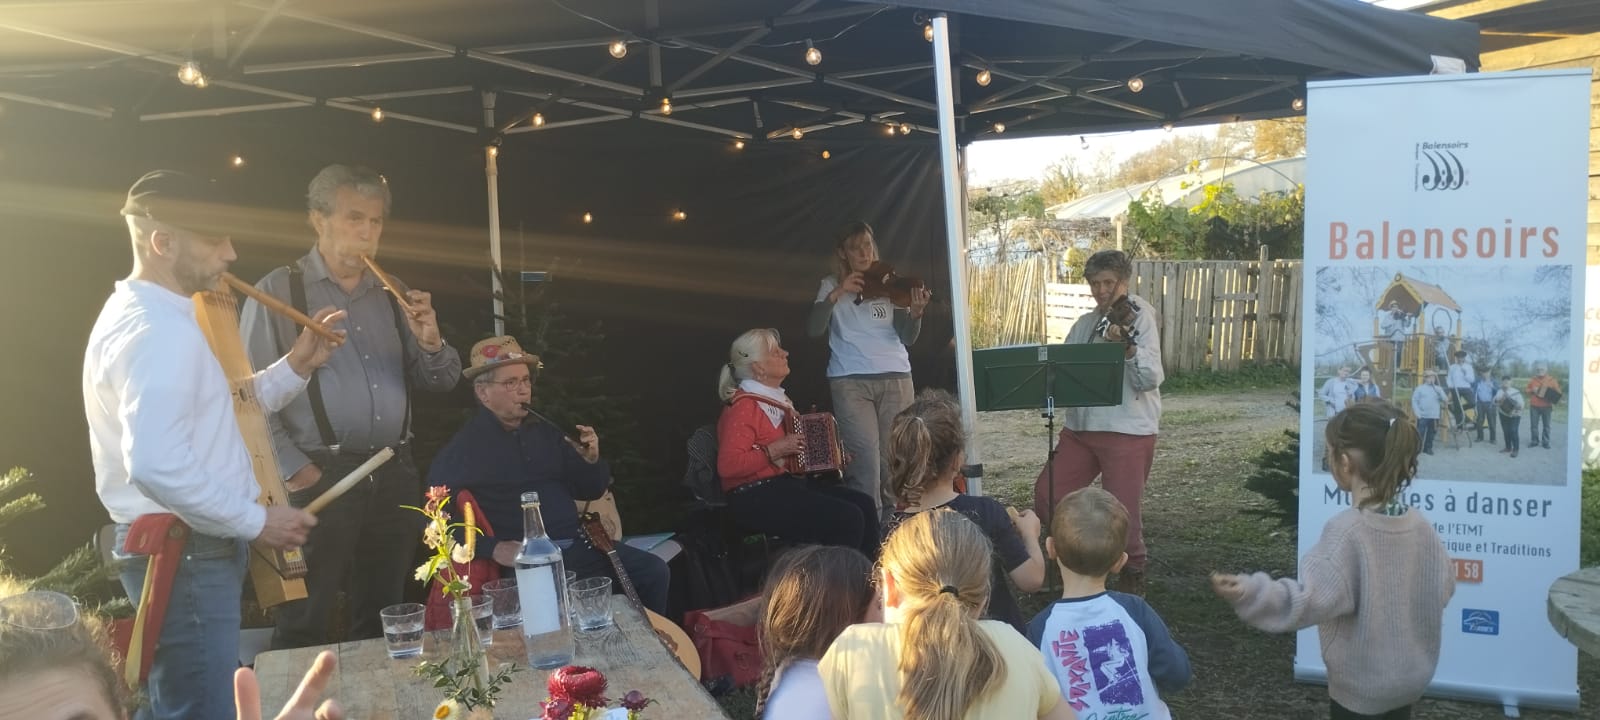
point(865, 409)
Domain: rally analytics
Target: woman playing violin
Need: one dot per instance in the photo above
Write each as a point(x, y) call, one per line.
point(754, 438)
point(869, 371)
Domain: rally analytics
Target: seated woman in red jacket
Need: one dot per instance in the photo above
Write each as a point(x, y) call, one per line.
point(754, 436)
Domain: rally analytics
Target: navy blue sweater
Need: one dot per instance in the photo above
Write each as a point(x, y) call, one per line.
point(498, 465)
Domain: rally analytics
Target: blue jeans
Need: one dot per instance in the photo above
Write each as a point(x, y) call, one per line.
point(192, 675)
point(1426, 428)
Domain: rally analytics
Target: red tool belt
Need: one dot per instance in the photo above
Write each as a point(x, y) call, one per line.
point(161, 537)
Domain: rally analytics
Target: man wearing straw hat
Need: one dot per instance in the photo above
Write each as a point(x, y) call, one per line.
point(357, 405)
point(167, 448)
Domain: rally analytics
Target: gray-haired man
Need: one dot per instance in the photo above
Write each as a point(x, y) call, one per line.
point(357, 404)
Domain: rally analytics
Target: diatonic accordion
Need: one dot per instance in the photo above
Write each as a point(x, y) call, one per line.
point(823, 454)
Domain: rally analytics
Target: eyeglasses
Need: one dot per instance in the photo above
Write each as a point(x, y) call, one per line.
point(513, 383)
point(39, 610)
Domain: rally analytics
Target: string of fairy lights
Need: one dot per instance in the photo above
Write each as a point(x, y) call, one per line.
point(192, 74)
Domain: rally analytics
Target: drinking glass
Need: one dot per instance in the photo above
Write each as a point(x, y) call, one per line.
point(591, 600)
point(402, 629)
point(507, 604)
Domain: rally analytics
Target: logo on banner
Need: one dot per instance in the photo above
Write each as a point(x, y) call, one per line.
point(1439, 166)
point(1480, 622)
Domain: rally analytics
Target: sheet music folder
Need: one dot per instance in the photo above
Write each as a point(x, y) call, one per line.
point(1022, 377)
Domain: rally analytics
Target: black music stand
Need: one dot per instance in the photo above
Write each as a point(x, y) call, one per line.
point(1048, 376)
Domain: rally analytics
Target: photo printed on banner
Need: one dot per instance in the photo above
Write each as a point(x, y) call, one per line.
point(1478, 356)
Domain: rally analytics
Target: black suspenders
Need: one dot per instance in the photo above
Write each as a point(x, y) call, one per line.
point(319, 411)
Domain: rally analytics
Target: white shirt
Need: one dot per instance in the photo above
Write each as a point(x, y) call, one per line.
point(1460, 376)
point(1140, 411)
point(797, 693)
point(162, 431)
point(861, 338)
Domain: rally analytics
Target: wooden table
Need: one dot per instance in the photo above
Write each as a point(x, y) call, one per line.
point(372, 686)
point(1574, 609)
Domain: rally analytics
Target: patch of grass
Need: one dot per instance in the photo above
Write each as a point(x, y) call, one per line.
point(1256, 377)
point(1589, 536)
point(1199, 416)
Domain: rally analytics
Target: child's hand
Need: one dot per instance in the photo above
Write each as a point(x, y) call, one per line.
point(1027, 525)
point(1228, 587)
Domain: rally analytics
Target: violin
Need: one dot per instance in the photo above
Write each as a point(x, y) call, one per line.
point(1117, 325)
point(880, 281)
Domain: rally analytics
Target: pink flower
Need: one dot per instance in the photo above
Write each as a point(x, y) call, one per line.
point(556, 709)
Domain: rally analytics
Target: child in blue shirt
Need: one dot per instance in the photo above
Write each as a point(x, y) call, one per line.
point(1109, 651)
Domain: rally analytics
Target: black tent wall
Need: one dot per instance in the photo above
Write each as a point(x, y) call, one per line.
point(671, 295)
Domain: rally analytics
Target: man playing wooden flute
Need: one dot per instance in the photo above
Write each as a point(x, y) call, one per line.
point(356, 405)
point(164, 437)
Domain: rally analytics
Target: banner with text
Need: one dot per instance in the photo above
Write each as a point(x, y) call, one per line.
point(1445, 233)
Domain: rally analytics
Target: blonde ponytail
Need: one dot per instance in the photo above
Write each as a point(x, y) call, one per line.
point(940, 563)
point(924, 441)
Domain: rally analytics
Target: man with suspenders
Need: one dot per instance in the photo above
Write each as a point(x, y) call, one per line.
point(357, 404)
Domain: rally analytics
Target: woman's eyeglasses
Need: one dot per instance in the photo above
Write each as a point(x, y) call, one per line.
point(39, 610)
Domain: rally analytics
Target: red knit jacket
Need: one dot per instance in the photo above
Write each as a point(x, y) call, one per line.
point(742, 428)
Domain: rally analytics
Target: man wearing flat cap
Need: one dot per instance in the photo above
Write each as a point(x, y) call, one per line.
point(502, 452)
point(164, 439)
point(357, 405)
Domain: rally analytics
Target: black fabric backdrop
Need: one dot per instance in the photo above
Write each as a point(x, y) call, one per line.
point(671, 295)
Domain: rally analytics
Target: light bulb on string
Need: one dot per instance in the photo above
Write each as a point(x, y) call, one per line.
point(494, 151)
point(377, 114)
point(889, 130)
point(999, 128)
point(797, 134)
point(826, 154)
point(1167, 126)
point(738, 144)
point(1298, 104)
point(618, 49)
point(666, 106)
point(927, 32)
point(679, 215)
point(813, 55)
point(1136, 84)
point(905, 129)
point(538, 119)
point(588, 218)
point(201, 82)
point(238, 161)
point(189, 73)
point(984, 77)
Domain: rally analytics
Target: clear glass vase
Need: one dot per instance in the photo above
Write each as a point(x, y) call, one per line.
point(466, 647)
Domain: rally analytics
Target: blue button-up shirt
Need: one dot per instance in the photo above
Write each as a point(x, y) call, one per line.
point(498, 465)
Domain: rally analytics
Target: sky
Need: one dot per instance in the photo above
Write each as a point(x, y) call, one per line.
point(991, 161)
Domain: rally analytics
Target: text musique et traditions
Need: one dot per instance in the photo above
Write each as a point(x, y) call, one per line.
point(1510, 241)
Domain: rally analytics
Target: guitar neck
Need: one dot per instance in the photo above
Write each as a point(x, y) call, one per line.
point(627, 583)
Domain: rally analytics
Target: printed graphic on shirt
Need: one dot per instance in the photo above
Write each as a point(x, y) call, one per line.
point(1101, 661)
point(879, 312)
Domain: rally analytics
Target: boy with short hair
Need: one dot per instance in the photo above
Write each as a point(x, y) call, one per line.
point(1109, 650)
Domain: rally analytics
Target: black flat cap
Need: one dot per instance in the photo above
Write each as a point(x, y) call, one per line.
point(180, 199)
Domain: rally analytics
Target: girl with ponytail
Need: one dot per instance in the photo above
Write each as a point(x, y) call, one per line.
point(813, 593)
point(925, 458)
point(932, 658)
point(1377, 581)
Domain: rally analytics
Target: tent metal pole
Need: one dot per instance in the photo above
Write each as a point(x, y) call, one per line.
point(491, 175)
point(955, 245)
point(103, 113)
point(345, 62)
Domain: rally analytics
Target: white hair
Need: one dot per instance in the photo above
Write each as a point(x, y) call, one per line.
point(750, 348)
point(366, 181)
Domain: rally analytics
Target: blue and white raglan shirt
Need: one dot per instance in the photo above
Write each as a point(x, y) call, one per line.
point(1111, 653)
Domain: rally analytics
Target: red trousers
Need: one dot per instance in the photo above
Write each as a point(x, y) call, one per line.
point(1121, 461)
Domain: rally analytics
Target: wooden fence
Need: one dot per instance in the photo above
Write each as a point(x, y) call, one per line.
point(1218, 315)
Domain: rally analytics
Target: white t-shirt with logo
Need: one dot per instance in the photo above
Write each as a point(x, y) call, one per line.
point(862, 337)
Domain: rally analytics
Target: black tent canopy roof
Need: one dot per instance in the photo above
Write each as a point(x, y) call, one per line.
point(734, 68)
